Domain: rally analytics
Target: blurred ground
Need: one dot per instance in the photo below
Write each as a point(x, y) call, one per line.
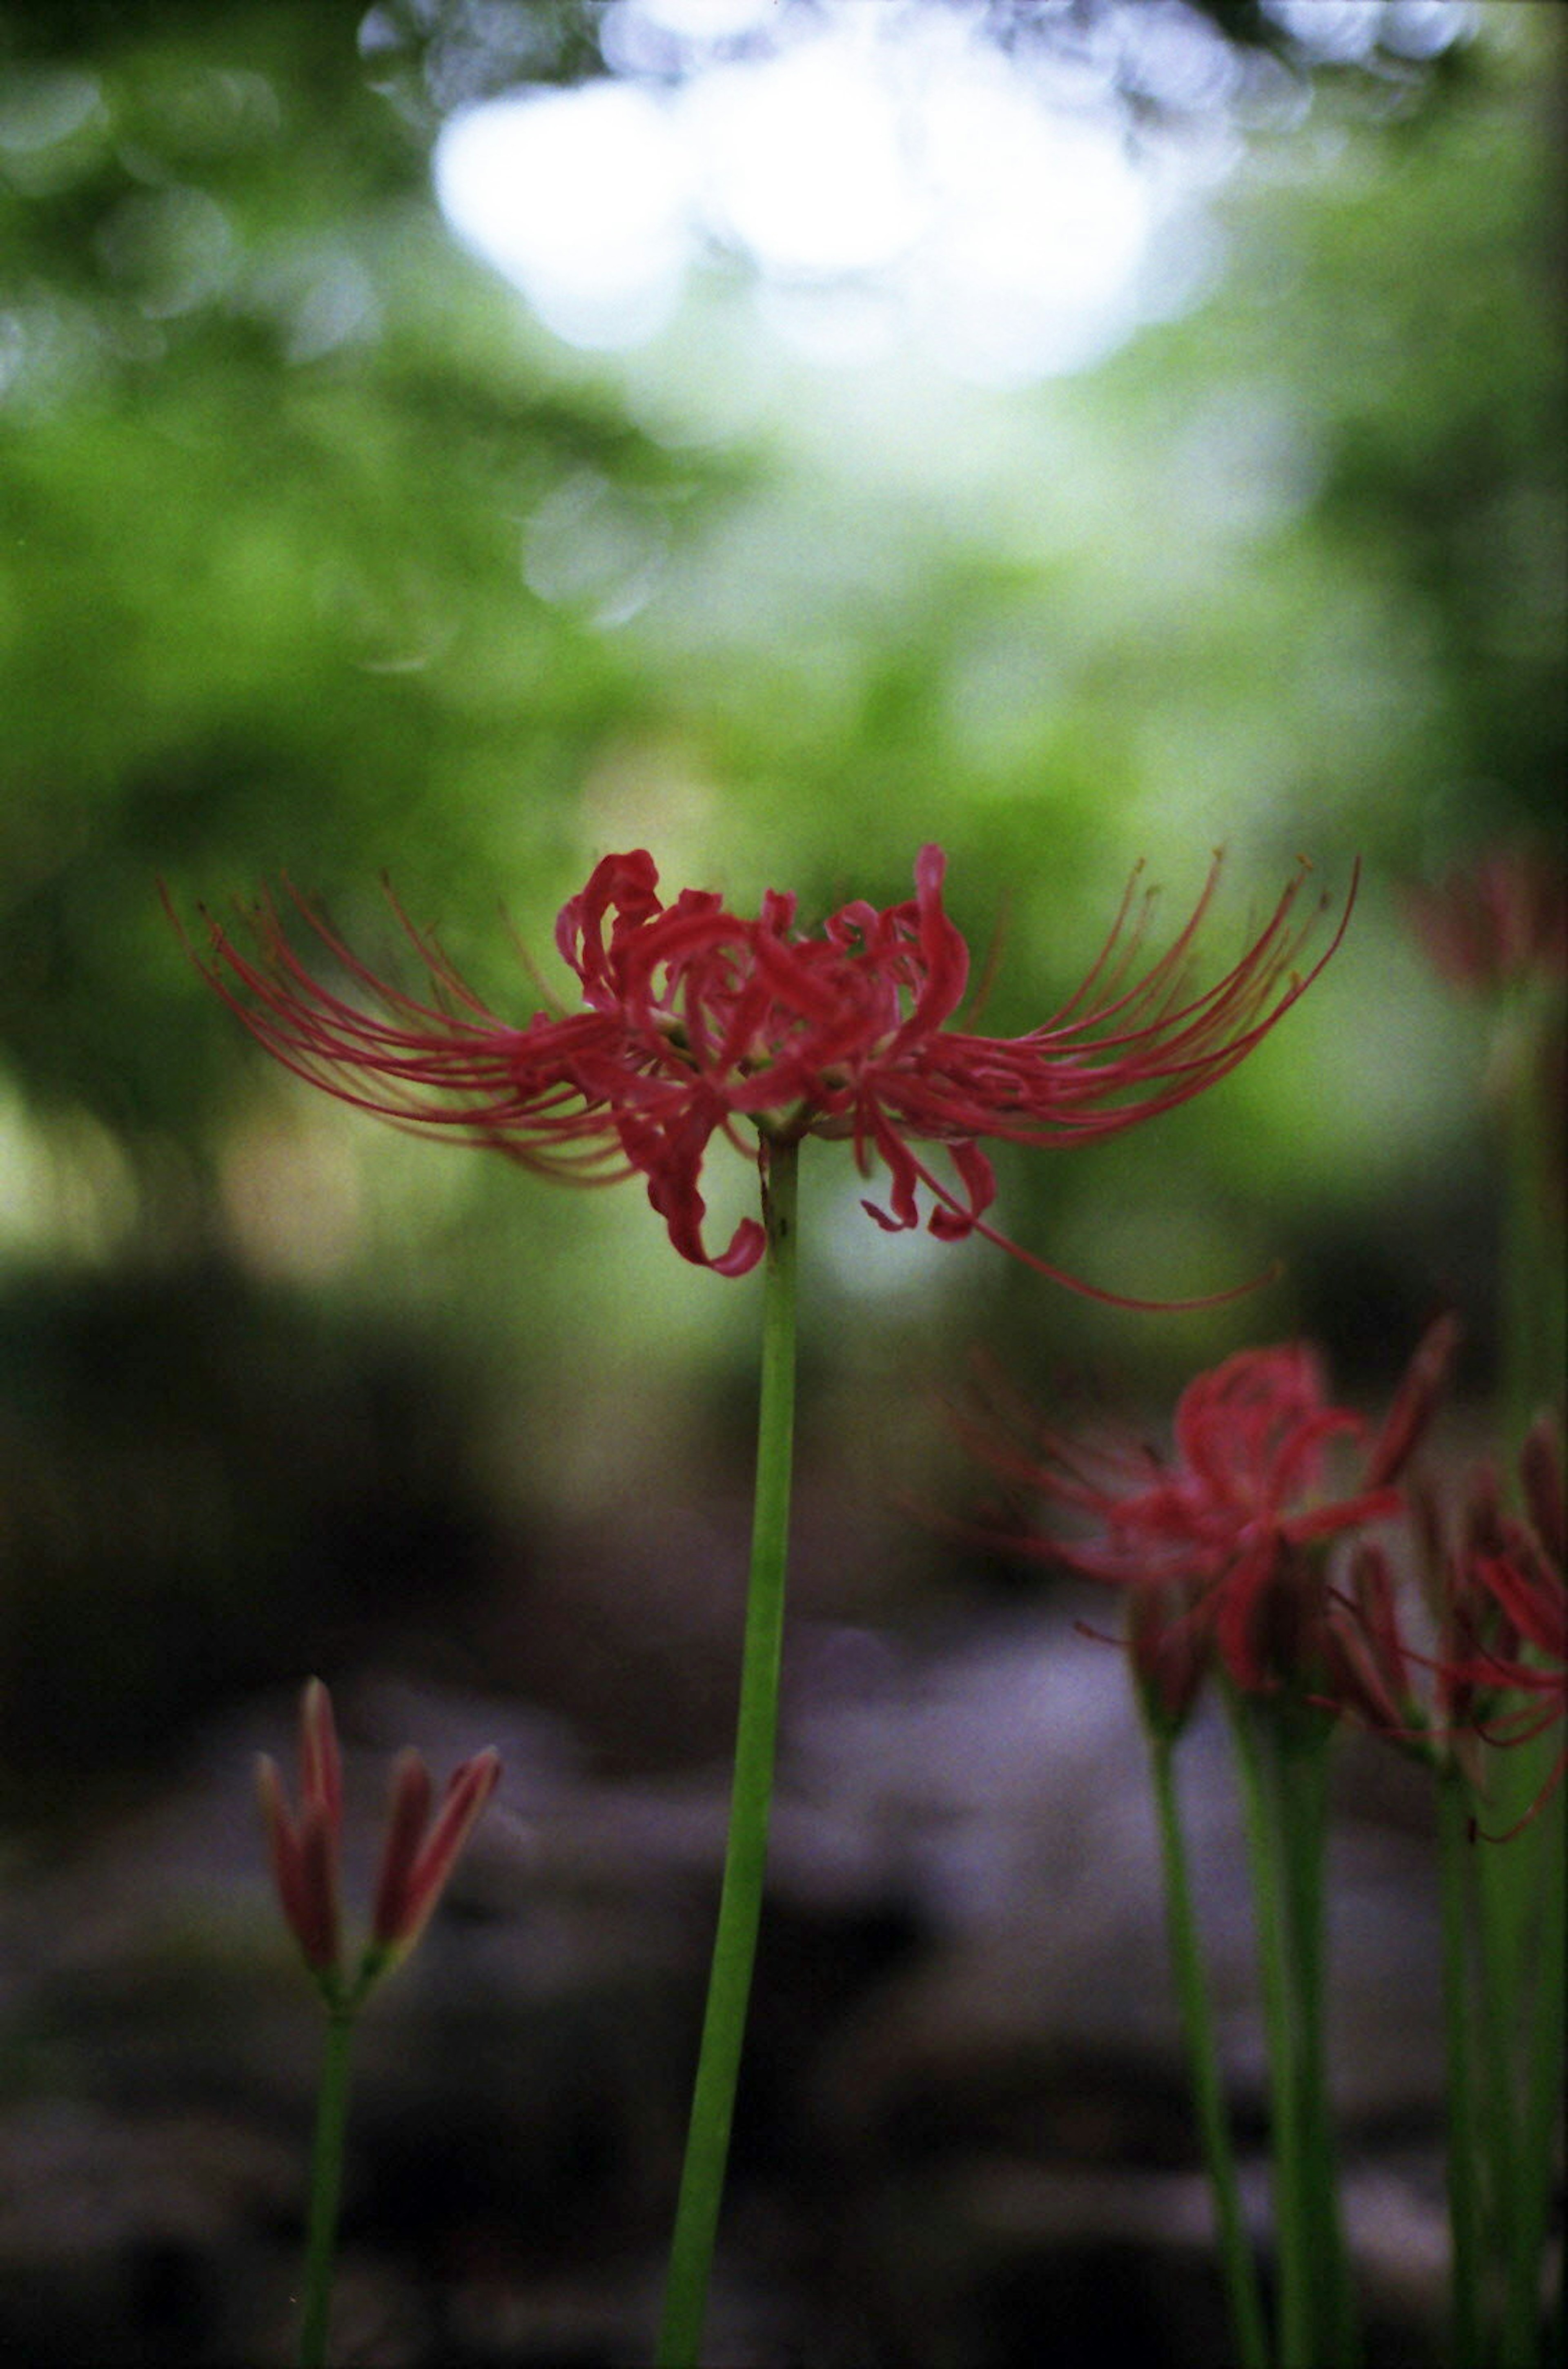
point(963, 2130)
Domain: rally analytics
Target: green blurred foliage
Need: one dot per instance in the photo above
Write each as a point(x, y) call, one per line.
point(318, 557)
point(268, 443)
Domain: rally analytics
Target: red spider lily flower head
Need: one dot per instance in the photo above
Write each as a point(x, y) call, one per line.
point(1497, 921)
point(1218, 1542)
point(1506, 1674)
point(695, 1022)
point(305, 1851)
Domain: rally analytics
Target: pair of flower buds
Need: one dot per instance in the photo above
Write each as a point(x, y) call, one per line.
point(418, 1852)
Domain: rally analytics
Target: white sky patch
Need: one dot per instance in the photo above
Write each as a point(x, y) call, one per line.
point(1040, 226)
point(888, 174)
point(584, 198)
point(802, 159)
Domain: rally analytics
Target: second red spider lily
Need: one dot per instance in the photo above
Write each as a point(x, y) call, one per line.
point(696, 1022)
point(1221, 1549)
point(1214, 1542)
point(1497, 921)
point(417, 1856)
point(1504, 1676)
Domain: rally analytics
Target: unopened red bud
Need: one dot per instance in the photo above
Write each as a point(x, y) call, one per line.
point(415, 1865)
point(305, 1851)
point(1415, 1402)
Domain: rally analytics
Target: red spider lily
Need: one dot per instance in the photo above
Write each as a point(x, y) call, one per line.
point(696, 1022)
point(1500, 920)
point(1216, 1543)
point(1509, 1616)
point(305, 1851)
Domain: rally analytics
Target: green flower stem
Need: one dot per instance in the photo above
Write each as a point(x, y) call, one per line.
point(740, 1899)
point(1501, 1874)
point(1458, 2006)
point(326, 2186)
point(1292, 2236)
point(1301, 1739)
point(1282, 1760)
point(1520, 1882)
point(1511, 1893)
point(1538, 2123)
point(1197, 2024)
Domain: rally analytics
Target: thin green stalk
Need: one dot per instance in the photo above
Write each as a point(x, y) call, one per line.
point(1515, 1894)
point(1197, 2024)
point(1292, 2230)
point(740, 1899)
point(1300, 1743)
point(1521, 1881)
point(1501, 1892)
point(1458, 2006)
point(1542, 2094)
point(326, 2186)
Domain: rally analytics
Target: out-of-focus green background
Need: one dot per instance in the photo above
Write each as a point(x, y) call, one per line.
point(321, 555)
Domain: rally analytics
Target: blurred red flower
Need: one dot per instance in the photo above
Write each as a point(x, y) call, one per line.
point(694, 1020)
point(1494, 921)
point(1505, 1675)
point(1214, 1540)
